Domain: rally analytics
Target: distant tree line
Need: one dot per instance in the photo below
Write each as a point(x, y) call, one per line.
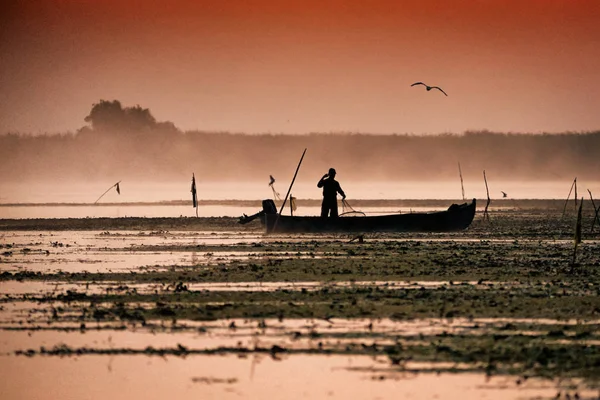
point(128, 142)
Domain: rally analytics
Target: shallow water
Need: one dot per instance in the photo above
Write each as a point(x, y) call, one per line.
point(42, 289)
point(122, 365)
point(252, 377)
point(31, 196)
point(168, 210)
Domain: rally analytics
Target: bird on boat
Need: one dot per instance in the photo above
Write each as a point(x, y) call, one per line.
point(503, 194)
point(272, 180)
point(429, 87)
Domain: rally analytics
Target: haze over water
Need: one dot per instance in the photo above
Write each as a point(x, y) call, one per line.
point(59, 200)
point(156, 192)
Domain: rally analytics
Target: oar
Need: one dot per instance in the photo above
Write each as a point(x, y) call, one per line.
point(289, 190)
point(292, 184)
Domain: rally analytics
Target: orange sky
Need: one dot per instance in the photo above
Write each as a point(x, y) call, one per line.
point(302, 66)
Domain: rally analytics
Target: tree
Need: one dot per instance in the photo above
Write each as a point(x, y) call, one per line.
point(111, 116)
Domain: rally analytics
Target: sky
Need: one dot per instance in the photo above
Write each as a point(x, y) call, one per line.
point(272, 66)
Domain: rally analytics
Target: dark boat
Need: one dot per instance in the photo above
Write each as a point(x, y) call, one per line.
point(457, 217)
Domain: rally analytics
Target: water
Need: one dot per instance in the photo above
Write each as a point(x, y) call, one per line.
point(227, 375)
point(134, 191)
point(140, 199)
point(27, 324)
point(231, 377)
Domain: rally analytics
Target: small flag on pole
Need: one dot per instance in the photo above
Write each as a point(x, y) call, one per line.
point(116, 185)
point(275, 193)
point(194, 193)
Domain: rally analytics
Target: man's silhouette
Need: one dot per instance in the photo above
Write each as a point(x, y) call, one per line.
point(331, 188)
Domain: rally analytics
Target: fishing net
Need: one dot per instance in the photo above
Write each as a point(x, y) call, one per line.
point(347, 209)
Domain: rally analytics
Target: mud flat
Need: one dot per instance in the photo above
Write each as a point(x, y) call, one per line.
point(206, 307)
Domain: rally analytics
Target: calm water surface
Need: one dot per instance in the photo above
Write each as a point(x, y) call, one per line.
point(254, 377)
point(135, 191)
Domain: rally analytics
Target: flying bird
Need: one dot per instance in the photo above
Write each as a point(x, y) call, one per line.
point(429, 87)
point(504, 194)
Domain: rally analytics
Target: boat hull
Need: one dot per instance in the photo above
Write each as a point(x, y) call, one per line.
point(456, 218)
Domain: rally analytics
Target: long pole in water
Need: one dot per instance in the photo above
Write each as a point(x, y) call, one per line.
point(485, 212)
point(461, 181)
point(288, 192)
point(107, 190)
point(596, 211)
point(570, 191)
point(292, 184)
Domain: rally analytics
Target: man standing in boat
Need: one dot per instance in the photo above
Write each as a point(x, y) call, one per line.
point(331, 188)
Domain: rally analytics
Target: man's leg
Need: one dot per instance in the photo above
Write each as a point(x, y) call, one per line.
point(324, 209)
point(334, 209)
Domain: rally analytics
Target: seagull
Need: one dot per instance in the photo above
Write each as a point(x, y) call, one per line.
point(429, 87)
point(504, 194)
point(272, 180)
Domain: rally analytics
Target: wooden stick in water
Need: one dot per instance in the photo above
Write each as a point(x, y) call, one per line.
point(107, 190)
point(292, 184)
point(289, 190)
point(567, 200)
point(461, 181)
point(596, 211)
point(485, 212)
point(577, 232)
point(575, 198)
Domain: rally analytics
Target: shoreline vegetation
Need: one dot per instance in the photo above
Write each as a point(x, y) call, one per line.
point(127, 141)
point(231, 157)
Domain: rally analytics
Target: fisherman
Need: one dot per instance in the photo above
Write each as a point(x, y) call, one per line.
point(331, 188)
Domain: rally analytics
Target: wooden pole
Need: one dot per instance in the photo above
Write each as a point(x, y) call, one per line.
point(107, 190)
point(292, 184)
point(194, 194)
point(575, 198)
point(596, 211)
point(461, 181)
point(288, 192)
point(569, 195)
point(485, 212)
point(577, 232)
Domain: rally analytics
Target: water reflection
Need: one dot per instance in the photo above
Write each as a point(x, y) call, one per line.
point(252, 377)
point(169, 211)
